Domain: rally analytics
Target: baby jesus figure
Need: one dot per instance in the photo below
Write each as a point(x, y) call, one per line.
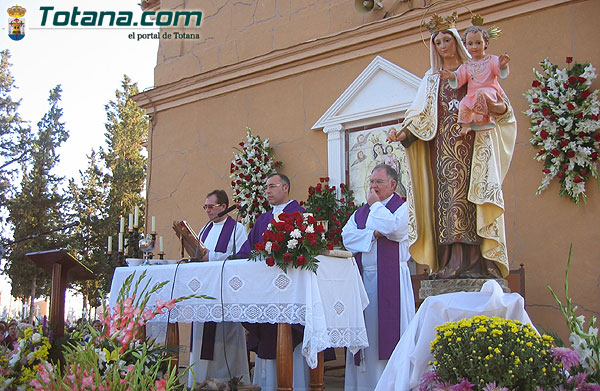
point(483, 90)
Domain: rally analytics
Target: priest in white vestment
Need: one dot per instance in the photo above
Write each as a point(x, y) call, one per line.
point(218, 350)
point(377, 234)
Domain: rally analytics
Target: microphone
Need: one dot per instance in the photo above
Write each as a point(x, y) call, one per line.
point(232, 207)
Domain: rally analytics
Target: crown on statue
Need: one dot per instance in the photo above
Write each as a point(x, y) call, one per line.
point(439, 23)
point(16, 11)
point(476, 20)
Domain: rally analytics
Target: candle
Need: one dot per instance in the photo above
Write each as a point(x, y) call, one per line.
point(122, 224)
point(120, 242)
point(130, 226)
point(160, 244)
point(153, 223)
point(136, 218)
point(109, 247)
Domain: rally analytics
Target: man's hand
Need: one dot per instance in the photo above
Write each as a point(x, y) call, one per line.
point(444, 74)
point(503, 59)
point(373, 197)
point(378, 235)
point(205, 256)
point(396, 135)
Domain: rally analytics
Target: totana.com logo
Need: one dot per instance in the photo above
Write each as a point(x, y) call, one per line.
point(16, 22)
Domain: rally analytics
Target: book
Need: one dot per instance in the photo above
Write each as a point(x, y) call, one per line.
point(189, 239)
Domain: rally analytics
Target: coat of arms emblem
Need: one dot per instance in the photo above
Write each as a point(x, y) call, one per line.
point(16, 22)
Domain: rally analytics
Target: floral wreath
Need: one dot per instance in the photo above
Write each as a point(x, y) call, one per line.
point(251, 165)
point(564, 125)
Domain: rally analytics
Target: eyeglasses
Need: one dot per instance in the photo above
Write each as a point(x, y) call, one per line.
point(377, 181)
point(272, 186)
point(210, 207)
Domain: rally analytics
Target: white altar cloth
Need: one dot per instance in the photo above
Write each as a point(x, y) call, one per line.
point(410, 359)
point(329, 304)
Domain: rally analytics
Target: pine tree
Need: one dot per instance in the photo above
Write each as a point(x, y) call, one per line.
point(126, 134)
point(36, 207)
point(88, 205)
point(15, 136)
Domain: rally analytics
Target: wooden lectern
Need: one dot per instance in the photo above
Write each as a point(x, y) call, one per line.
point(64, 268)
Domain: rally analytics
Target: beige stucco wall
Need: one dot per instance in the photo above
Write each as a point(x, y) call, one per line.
point(253, 68)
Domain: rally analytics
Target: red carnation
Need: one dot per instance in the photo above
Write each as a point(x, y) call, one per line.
point(288, 228)
point(279, 226)
point(594, 156)
point(565, 167)
point(270, 261)
point(570, 106)
point(329, 245)
point(564, 142)
point(583, 172)
point(543, 134)
point(572, 80)
point(571, 154)
point(595, 117)
point(581, 79)
point(585, 94)
point(300, 260)
point(578, 179)
point(241, 175)
point(536, 83)
point(311, 219)
point(546, 171)
point(560, 174)
point(287, 257)
point(275, 247)
point(566, 86)
point(342, 200)
point(311, 190)
point(561, 132)
point(239, 182)
point(351, 204)
point(322, 180)
point(241, 144)
point(545, 111)
point(260, 246)
point(319, 229)
point(536, 100)
point(545, 89)
point(579, 115)
point(266, 236)
point(597, 136)
point(552, 118)
point(569, 60)
point(581, 134)
point(555, 152)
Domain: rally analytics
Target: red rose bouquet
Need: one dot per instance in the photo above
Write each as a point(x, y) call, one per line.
point(565, 125)
point(323, 204)
point(292, 240)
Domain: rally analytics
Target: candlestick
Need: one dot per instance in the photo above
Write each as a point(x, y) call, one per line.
point(160, 244)
point(122, 224)
point(109, 247)
point(120, 242)
point(136, 217)
point(130, 226)
point(153, 224)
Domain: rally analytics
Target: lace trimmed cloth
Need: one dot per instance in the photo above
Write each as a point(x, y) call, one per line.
point(329, 304)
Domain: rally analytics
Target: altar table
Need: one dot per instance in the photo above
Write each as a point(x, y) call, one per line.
point(329, 304)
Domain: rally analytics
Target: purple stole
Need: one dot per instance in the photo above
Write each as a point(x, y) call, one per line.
point(210, 328)
point(388, 283)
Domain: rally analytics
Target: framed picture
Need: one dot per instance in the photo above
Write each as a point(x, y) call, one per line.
point(366, 148)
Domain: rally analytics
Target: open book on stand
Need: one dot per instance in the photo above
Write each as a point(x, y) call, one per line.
point(189, 239)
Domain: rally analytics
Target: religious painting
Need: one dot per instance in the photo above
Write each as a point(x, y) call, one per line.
point(368, 148)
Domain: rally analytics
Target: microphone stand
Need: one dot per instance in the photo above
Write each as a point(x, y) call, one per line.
point(34, 236)
point(237, 218)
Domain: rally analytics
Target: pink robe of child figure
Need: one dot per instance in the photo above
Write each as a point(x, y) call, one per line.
point(482, 78)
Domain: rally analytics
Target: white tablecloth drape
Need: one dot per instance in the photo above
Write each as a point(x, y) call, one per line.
point(329, 304)
point(412, 354)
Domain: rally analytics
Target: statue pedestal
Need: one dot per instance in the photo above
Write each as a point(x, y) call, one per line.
point(439, 287)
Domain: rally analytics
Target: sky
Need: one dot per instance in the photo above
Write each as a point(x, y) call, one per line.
point(89, 64)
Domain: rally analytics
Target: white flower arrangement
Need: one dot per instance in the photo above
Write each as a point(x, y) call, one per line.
point(251, 165)
point(565, 125)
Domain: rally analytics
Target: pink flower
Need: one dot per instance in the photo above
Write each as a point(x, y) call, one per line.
point(566, 356)
point(161, 385)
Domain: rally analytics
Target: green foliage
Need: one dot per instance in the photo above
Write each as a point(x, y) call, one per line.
point(585, 343)
point(485, 350)
point(88, 203)
point(15, 136)
point(37, 206)
point(126, 134)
